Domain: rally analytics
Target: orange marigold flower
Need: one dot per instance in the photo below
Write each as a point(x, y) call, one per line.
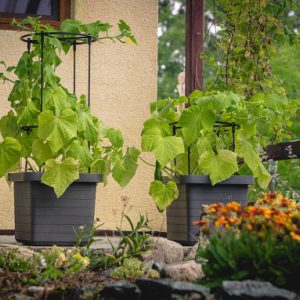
point(200, 223)
point(249, 227)
point(295, 236)
point(221, 221)
point(233, 206)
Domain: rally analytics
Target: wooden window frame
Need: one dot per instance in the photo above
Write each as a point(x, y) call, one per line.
point(64, 13)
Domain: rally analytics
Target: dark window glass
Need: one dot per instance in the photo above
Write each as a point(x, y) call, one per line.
point(22, 8)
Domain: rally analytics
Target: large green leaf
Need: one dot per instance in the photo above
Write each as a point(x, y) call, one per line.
point(165, 148)
point(29, 114)
point(41, 151)
point(80, 151)
point(219, 102)
point(262, 176)
point(87, 126)
point(193, 120)
point(246, 150)
point(125, 167)
point(60, 174)
point(70, 25)
point(58, 131)
point(55, 98)
point(115, 137)
point(10, 150)
point(163, 194)
point(219, 166)
point(8, 125)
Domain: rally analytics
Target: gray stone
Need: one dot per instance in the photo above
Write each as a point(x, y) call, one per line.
point(120, 290)
point(165, 289)
point(19, 297)
point(251, 289)
point(184, 271)
point(164, 251)
point(21, 252)
point(37, 291)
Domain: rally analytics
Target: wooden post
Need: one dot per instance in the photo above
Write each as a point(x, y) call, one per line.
point(194, 65)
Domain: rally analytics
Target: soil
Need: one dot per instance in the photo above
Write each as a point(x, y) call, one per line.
point(12, 283)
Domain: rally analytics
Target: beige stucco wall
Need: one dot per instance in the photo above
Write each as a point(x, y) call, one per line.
point(123, 83)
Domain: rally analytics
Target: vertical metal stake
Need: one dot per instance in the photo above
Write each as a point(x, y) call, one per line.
point(42, 69)
point(74, 67)
point(89, 71)
point(89, 80)
point(174, 133)
point(189, 160)
point(233, 136)
point(28, 74)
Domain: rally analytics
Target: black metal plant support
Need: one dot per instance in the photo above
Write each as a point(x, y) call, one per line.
point(66, 38)
point(219, 124)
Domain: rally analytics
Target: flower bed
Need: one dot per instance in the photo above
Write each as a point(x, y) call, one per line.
point(260, 242)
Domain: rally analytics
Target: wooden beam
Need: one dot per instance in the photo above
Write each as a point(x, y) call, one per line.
point(282, 151)
point(194, 65)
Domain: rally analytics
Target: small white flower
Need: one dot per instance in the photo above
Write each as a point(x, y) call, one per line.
point(43, 262)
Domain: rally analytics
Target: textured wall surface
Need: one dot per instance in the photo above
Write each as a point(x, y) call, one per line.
point(123, 83)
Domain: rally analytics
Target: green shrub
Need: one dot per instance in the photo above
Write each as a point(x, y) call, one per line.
point(247, 256)
point(133, 268)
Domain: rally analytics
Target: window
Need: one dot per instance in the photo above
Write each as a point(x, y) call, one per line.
point(51, 11)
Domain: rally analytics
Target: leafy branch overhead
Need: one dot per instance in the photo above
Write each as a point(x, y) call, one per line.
point(64, 138)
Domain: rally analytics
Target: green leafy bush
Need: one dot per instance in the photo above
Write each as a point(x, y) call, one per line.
point(50, 264)
point(131, 245)
point(12, 262)
point(260, 242)
point(133, 268)
point(232, 257)
point(59, 135)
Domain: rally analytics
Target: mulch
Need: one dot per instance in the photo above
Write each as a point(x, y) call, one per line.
point(12, 283)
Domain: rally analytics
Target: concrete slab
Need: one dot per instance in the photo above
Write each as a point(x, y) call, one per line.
point(101, 243)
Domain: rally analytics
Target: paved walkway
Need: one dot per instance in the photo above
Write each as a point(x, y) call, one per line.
point(101, 242)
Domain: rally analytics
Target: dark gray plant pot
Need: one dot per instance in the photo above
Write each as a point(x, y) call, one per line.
point(194, 191)
point(42, 219)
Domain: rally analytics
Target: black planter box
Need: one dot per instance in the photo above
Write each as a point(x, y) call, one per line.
point(194, 191)
point(42, 219)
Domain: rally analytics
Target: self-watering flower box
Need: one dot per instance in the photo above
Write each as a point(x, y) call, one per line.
point(194, 192)
point(43, 219)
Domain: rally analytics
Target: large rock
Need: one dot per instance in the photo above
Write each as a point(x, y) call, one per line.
point(251, 289)
point(119, 290)
point(164, 251)
point(21, 252)
point(167, 289)
point(184, 271)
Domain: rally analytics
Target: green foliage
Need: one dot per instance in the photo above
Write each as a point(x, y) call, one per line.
point(133, 268)
point(50, 264)
point(211, 144)
point(86, 235)
point(163, 194)
point(245, 256)
point(239, 87)
point(171, 46)
point(68, 138)
point(12, 262)
point(131, 245)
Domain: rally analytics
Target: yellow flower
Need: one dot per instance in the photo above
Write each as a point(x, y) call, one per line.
point(85, 261)
point(127, 40)
point(78, 256)
point(60, 260)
